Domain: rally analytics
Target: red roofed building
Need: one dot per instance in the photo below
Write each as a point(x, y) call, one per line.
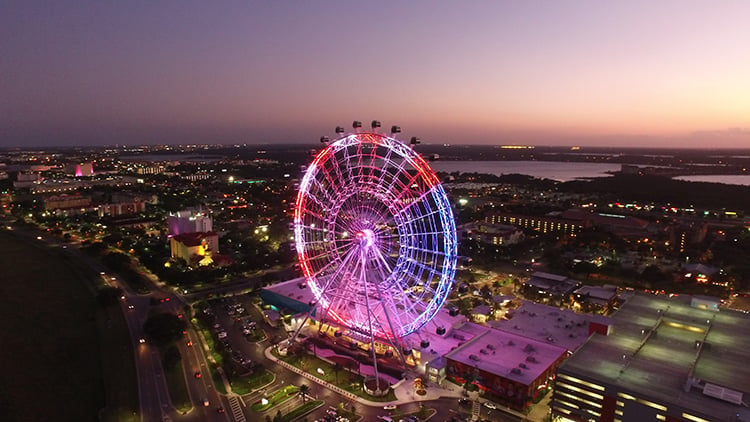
point(192, 246)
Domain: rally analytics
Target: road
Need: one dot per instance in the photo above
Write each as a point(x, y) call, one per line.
point(154, 400)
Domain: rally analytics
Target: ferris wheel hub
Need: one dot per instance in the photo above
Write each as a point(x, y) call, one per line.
point(366, 238)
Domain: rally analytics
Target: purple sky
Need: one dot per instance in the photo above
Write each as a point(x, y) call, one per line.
point(658, 73)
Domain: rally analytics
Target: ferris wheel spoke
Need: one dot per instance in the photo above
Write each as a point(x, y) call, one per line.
point(324, 191)
point(415, 202)
point(395, 290)
point(386, 163)
point(336, 256)
point(333, 182)
point(372, 318)
point(408, 186)
point(343, 265)
point(399, 169)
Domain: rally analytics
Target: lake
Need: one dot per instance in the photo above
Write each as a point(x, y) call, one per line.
point(555, 170)
point(729, 179)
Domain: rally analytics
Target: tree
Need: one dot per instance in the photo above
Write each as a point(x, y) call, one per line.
point(108, 296)
point(164, 328)
point(336, 369)
point(653, 274)
point(304, 389)
point(469, 382)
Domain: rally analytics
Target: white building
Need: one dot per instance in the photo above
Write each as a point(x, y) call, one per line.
point(189, 221)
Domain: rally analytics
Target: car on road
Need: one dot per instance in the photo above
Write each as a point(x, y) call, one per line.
point(205, 403)
point(464, 402)
point(219, 409)
point(489, 405)
point(389, 407)
point(197, 374)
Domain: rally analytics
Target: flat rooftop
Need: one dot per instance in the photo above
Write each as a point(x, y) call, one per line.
point(292, 290)
point(552, 283)
point(549, 324)
point(653, 350)
point(509, 355)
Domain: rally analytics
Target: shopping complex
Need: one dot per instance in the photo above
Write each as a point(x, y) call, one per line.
point(656, 358)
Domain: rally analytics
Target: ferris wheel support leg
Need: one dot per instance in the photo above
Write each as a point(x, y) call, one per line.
point(363, 281)
point(392, 341)
point(293, 337)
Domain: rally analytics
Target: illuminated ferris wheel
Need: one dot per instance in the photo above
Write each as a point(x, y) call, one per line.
point(375, 235)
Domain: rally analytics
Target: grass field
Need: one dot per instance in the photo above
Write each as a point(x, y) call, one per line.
point(178, 393)
point(51, 340)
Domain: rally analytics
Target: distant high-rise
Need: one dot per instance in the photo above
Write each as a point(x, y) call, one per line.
point(189, 221)
point(84, 169)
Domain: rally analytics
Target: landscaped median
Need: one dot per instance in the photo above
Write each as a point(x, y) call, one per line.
point(178, 393)
point(325, 371)
point(279, 396)
point(282, 395)
point(302, 410)
point(250, 383)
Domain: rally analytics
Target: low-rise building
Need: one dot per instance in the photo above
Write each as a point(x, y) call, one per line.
point(562, 327)
point(598, 299)
point(552, 288)
point(193, 247)
point(666, 359)
point(507, 368)
point(121, 208)
point(492, 234)
point(59, 202)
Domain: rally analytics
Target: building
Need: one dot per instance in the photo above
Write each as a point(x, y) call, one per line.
point(507, 368)
point(192, 247)
point(664, 360)
point(505, 365)
point(492, 234)
point(62, 202)
point(541, 224)
point(599, 299)
point(189, 221)
point(27, 180)
point(552, 288)
point(545, 323)
point(622, 225)
point(84, 169)
point(683, 234)
point(121, 208)
point(292, 295)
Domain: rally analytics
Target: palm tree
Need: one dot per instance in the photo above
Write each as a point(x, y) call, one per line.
point(336, 369)
point(303, 390)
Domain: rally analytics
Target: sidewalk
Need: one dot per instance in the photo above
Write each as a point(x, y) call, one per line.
point(404, 389)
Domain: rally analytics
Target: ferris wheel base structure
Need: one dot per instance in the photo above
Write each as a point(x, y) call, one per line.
point(375, 237)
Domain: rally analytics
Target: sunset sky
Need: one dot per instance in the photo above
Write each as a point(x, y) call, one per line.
point(656, 73)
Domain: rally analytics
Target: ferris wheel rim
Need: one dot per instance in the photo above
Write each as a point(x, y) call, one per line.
point(392, 212)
